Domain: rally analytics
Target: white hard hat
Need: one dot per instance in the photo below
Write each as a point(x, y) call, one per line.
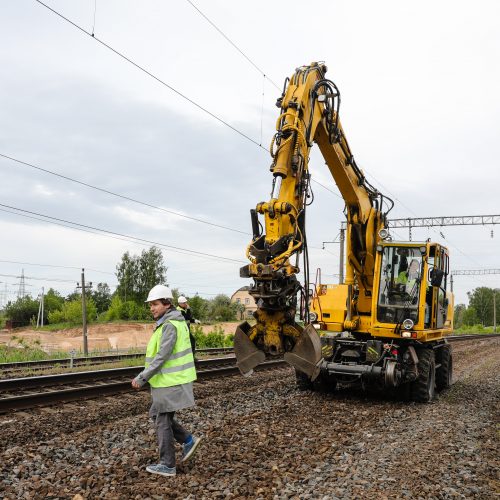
point(159, 292)
point(182, 299)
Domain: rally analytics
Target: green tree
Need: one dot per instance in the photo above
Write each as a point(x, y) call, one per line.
point(71, 312)
point(222, 309)
point(73, 296)
point(481, 299)
point(469, 317)
point(127, 272)
point(101, 297)
point(22, 311)
point(53, 301)
point(138, 274)
point(199, 307)
point(152, 271)
point(458, 317)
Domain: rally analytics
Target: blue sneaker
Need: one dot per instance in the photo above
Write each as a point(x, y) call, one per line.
point(161, 469)
point(189, 448)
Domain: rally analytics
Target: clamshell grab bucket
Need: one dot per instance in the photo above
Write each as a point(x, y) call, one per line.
point(248, 356)
point(306, 355)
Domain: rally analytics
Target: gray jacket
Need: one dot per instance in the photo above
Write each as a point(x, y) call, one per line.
point(166, 399)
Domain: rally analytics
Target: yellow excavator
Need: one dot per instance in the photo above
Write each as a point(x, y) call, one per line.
point(386, 324)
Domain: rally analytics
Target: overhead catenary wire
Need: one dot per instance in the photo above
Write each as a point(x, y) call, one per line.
point(114, 233)
point(233, 44)
point(118, 195)
point(55, 280)
point(91, 35)
point(147, 72)
point(53, 265)
point(159, 80)
point(107, 235)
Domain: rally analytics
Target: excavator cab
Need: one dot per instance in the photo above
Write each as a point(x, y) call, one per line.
point(400, 282)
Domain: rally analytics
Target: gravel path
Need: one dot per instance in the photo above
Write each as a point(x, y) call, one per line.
point(266, 439)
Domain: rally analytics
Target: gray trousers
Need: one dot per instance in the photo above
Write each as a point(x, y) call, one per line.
point(168, 430)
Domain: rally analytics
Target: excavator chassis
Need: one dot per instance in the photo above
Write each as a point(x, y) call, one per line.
point(409, 368)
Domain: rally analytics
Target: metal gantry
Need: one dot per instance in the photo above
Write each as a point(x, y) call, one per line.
point(411, 222)
point(460, 220)
point(471, 272)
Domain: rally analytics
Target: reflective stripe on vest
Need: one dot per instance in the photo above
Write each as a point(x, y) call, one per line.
point(179, 367)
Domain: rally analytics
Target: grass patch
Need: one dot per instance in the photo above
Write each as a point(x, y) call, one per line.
point(470, 330)
point(23, 351)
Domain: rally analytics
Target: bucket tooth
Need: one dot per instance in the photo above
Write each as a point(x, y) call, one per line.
point(248, 356)
point(306, 355)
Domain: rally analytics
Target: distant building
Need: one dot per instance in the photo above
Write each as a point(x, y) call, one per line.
point(242, 297)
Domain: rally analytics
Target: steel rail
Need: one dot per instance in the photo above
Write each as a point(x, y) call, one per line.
point(97, 359)
point(213, 368)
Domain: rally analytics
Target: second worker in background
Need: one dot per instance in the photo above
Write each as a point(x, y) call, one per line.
point(185, 310)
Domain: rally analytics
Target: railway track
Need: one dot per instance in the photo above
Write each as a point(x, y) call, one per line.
point(17, 368)
point(19, 393)
point(11, 369)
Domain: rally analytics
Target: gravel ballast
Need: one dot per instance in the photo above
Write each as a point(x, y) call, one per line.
point(263, 438)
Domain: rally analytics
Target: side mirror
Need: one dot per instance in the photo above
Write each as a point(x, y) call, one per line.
point(436, 277)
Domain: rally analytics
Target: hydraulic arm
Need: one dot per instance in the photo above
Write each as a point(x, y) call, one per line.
point(309, 113)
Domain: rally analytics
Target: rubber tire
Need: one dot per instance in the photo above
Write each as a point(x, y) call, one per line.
point(444, 373)
point(423, 389)
point(303, 381)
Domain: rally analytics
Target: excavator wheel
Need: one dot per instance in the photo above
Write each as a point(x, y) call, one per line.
point(424, 388)
point(444, 373)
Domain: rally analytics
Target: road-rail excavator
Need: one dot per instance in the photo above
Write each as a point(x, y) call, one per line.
point(386, 325)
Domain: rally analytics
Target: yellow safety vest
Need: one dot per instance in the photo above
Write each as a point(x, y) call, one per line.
point(179, 367)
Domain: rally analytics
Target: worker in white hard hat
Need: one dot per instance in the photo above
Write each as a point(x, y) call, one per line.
point(170, 371)
point(185, 310)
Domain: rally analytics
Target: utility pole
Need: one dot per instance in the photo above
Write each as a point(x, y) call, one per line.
point(341, 263)
point(341, 255)
point(39, 320)
point(84, 313)
point(494, 310)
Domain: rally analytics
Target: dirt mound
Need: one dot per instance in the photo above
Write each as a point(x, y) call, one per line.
point(101, 336)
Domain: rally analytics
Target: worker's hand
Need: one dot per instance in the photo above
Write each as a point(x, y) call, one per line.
point(135, 385)
point(197, 321)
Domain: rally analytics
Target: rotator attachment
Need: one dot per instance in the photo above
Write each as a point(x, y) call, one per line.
point(248, 356)
point(306, 354)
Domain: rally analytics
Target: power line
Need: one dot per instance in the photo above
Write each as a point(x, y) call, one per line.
point(58, 280)
point(112, 193)
point(99, 234)
point(159, 80)
point(53, 265)
point(163, 83)
point(186, 250)
point(233, 44)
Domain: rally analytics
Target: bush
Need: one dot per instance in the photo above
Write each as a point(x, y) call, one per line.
point(22, 310)
point(71, 312)
point(128, 310)
point(215, 338)
point(56, 317)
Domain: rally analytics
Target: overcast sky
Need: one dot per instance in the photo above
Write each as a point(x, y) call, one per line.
point(420, 107)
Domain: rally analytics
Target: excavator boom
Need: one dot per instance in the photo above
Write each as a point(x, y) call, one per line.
point(309, 113)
